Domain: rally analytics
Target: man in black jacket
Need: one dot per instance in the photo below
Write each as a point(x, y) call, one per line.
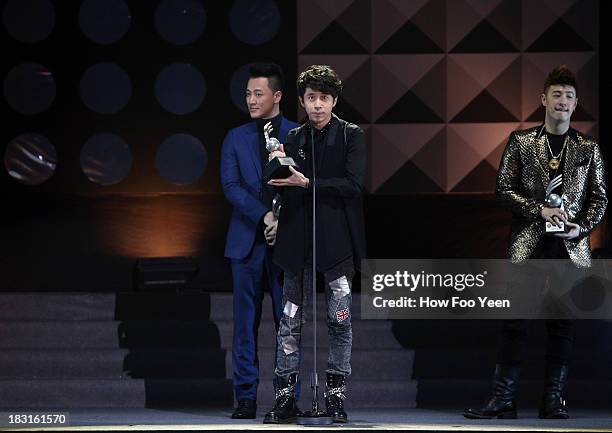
point(335, 170)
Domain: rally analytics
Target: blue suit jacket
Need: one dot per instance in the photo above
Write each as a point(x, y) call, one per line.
point(241, 178)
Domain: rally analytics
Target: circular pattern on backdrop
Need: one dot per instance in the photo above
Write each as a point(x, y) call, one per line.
point(106, 159)
point(181, 159)
point(238, 85)
point(29, 88)
point(180, 22)
point(589, 293)
point(104, 21)
point(105, 88)
point(254, 22)
point(30, 158)
point(180, 88)
point(29, 21)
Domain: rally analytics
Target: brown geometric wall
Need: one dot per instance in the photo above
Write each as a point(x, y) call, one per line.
point(439, 85)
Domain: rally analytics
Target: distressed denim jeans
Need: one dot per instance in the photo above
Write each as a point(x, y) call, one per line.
point(297, 295)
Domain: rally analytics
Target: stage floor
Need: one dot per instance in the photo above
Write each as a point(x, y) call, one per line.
point(105, 419)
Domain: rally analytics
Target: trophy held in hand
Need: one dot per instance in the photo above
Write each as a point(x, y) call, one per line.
point(554, 200)
point(278, 167)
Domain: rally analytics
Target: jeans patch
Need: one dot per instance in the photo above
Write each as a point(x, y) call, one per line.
point(289, 344)
point(340, 287)
point(342, 315)
point(290, 309)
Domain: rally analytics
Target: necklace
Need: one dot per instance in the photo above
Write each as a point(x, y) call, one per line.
point(555, 160)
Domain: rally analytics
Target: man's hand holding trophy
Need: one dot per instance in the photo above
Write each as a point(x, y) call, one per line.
point(556, 222)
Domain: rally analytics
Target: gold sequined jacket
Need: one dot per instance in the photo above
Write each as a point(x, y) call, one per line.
point(521, 184)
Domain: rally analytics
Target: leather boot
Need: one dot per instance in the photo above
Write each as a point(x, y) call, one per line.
point(501, 404)
point(246, 409)
point(335, 389)
point(285, 409)
point(553, 404)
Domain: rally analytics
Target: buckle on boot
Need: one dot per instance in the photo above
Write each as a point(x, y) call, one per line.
point(338, 392)
point(288, 391)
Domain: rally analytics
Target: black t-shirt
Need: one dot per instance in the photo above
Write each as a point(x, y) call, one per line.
point(552, 247)
point(556, 144)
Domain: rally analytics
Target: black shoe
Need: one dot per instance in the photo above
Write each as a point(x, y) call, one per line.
point(246, 409)
point(285, 410)
point(335, 389)
point(501, 404)
point(553, 404)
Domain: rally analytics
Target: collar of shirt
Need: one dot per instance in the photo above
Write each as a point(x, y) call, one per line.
point(324, 130)
point(275, 124)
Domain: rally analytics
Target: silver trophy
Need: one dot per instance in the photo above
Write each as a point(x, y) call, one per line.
point(554, 200)
point(272, 143)
point(276, 205)
point(278, 167)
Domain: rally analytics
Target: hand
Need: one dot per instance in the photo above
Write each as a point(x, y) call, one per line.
point(553, 215)
point(280, 152)
point(296, 179)
point(574, 231)
point(270, 233)
point(269, 218)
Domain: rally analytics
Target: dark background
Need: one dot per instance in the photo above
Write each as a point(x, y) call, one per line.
point(69, 233)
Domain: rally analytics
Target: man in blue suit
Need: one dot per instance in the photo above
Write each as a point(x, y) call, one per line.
point(252, 229)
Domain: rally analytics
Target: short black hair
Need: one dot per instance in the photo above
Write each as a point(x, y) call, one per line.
point(562, 76)
point(320, 78)
point(271, 71)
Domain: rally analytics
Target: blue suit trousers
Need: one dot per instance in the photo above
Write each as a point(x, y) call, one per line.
point(250, 275)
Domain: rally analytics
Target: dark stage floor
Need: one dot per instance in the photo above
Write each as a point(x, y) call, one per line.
point(94, 419)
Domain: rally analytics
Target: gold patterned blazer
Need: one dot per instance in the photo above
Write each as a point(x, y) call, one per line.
point(521, 184)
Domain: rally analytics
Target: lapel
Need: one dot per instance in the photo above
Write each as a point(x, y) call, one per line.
point(284, 130)
point(570, 158)
point(253, 144)
point(541, 149)
point(303, 132)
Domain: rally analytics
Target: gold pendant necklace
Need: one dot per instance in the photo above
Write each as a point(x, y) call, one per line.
point(555, 161)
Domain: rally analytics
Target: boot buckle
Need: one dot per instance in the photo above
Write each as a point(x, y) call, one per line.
point(338, 392)
point(283, 392)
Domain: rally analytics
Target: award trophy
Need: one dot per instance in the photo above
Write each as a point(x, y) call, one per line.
point(554, 200)
point(276, 208)
point(276, 205)
point(278, 167)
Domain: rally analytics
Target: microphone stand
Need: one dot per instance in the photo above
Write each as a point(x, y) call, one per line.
point(314, 416)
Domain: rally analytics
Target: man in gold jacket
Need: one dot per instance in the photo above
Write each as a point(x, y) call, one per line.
point(532, 159)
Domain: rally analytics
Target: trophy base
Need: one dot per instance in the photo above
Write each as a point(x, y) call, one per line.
point(552, 228)
point(278, 168)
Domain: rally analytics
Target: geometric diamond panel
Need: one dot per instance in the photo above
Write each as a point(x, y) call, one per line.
point(443, 83)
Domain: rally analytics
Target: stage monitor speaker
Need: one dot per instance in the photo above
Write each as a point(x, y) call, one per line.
point(164, 273)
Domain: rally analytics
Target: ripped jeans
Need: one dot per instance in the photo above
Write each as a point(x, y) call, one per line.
point(297, 294)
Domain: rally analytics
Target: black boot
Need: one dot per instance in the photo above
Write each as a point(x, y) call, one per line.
point(553, 404)
point(335, 389)
point(246, 409)
point(285, 409)
point(501, 404)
